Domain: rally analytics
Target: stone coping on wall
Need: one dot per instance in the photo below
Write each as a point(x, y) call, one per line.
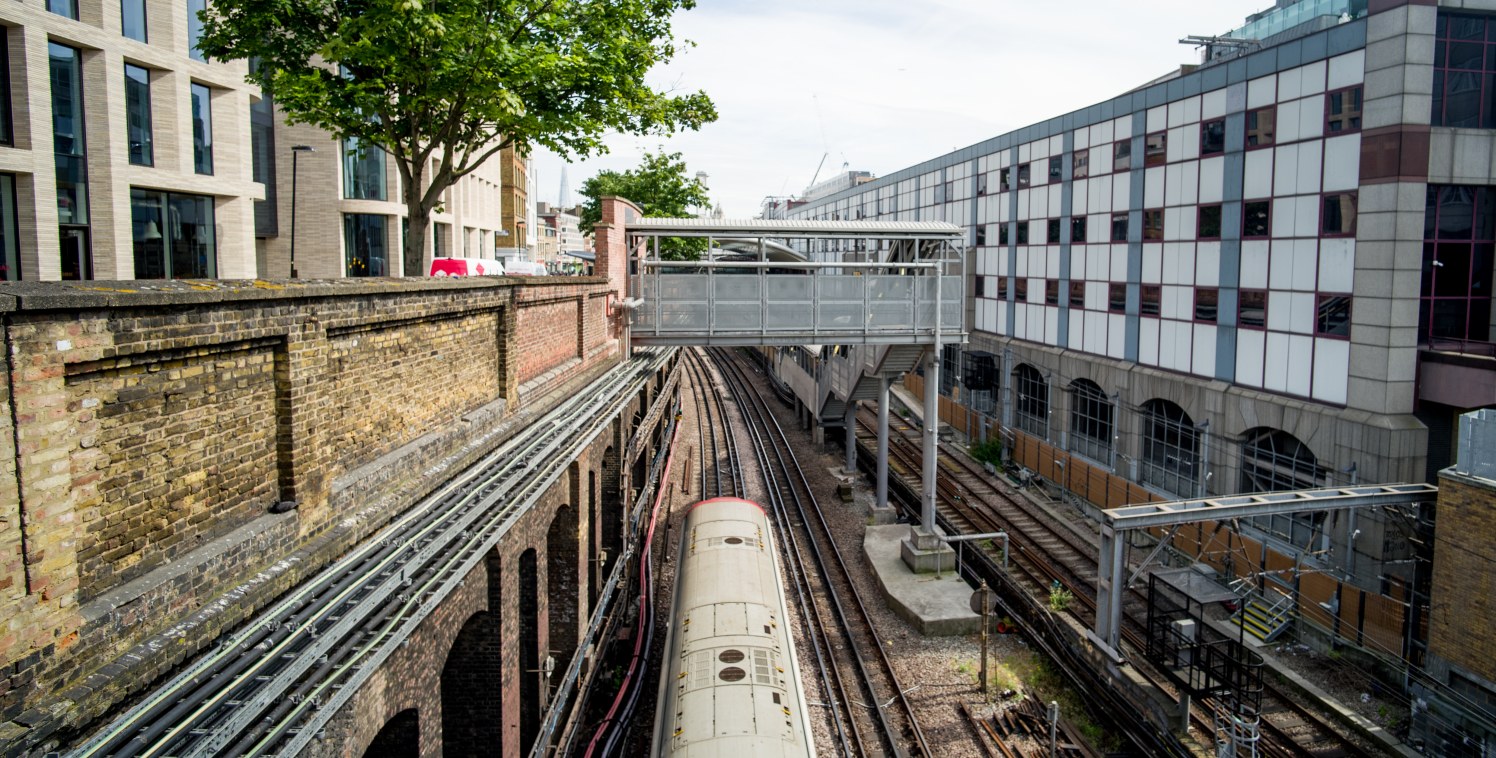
point(51, 296)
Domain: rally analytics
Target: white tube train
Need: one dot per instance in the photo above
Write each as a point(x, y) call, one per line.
point(731, 685)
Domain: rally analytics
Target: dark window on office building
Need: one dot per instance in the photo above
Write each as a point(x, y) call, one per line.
point(1156, 149)
point(1152, 297)
point(1251, 309)
point(1153, 225)
point(1005, 179)
point(7, 126)
point(1002, 234)
point(1056, 167)
point(981, 286)
point(1332, 315)
point(981, 185)
point(195, 28)
point(138, 115)
point(1023, 232)
point(1077, 294)
point(262, 155)
point(1052, 231)
point(363, 171)
point(132, 19)
point(1339, 216)
point(1116, 298)
point(1459, 234)
point(66, 70)
point(1262, 126)
point(1343, 111)
point(980, 236)
point(10, 247)
point(1213, 137)
point(64, 8)
point(1080, 164)
point(1464, 63)
point(1002, 288)
point(202, 129)
point(173, 235)
point(1020, 289)
point(1119, 227)
point(1257, 218)
point(1122, 155)
point(1023, 176)
point(1210, 222)
point(1078, 229)
point(1207, 304)
point(1051, 291)
point(366, 243)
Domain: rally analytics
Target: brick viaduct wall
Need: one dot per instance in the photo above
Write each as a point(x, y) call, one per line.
point(149, 428)
point(1462, 616)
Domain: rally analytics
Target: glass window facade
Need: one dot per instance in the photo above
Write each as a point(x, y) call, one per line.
point(1171, 448)
point(1032, 408)
point(173, 235)
point(66, 71)
point(1464, 65)
point(1458, 239)
point(132, 19)
point(138, 115)
point(64, 8)
point(7, 126)
point(366, 242)
point(10, 248)
point(202, 129)
point(1090, 420)
point(363, 171)
point(195, 28)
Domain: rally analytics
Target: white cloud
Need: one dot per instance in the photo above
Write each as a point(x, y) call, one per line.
point(883, 85)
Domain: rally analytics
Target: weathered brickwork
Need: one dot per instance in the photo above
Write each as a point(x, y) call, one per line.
point(173, 448)
point(156, 423)
point(411, 374)
point(1462, 625)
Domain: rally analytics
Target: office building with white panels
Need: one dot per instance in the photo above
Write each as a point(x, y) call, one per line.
point(1269, 271)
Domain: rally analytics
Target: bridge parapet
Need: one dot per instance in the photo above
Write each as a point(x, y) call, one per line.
point(156, 426)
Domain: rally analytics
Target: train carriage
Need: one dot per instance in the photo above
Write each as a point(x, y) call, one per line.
point(731, 686)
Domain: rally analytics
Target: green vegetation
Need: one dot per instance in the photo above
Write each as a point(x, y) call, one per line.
point(1059, 598)
point(661, 188)
point(990, 451)
point(443, 86)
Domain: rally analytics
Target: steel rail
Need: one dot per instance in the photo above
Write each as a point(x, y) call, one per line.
point(794, 474)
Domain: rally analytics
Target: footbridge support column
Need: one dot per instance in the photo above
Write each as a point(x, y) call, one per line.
point(883, 513)
point(925, 550)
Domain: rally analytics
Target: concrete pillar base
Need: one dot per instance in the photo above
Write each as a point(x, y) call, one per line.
point(884, 516)
point(925, 553)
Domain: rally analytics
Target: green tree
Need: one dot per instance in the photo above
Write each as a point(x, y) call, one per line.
point(661, 188)
point(443, 85)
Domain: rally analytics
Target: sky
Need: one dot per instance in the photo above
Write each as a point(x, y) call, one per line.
point(880, 85)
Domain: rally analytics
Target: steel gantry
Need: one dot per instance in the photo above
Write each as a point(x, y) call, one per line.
point(1111, 578)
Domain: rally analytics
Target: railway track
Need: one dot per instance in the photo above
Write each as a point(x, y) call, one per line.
point(873, 715)
point(270, 687)
point(1047, 550)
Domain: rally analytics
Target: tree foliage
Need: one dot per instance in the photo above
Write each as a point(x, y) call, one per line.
point(443, 85)
point(661, 188)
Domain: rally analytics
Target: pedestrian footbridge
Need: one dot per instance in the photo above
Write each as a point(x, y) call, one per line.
point(775, 282)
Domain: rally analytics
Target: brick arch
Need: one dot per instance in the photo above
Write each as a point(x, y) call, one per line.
point(530, 678)
point(472, 686)
point(563, 609)
point(400, 737)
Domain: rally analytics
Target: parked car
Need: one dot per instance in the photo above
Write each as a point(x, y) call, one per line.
point(525, 268)
point(465, 267)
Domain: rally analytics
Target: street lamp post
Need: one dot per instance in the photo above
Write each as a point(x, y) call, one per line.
point(296, 151)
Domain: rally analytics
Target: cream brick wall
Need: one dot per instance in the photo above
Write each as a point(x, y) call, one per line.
point(110, 175)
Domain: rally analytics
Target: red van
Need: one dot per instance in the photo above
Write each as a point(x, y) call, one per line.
point(465, 267)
